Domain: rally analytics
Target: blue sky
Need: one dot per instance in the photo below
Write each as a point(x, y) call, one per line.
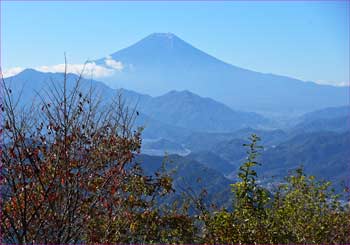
point(305, 40)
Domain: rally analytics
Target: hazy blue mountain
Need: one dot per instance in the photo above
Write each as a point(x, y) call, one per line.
point(202, 141)
point(326, 113)
point(232, 150)
point(162, 62)
point(160, 147)
point(155, 129)
point(268, 137)
point(174, 113)
point(162, 144)
point(335, 119)
point(31, 83)
point(213, 161)
point(187, 110)
point(336, 124)
point(324, 154)
point(190, 176)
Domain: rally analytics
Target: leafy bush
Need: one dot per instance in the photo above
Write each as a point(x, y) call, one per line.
point(68, 177)
point(302, 210)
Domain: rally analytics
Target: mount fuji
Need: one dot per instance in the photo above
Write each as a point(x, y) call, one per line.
point(162, 62)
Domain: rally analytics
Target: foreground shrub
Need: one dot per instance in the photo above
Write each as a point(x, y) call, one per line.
point(302, 210)
point(68, 177)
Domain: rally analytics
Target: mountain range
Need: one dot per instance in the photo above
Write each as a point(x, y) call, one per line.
point(335, 119)
point(179, 111)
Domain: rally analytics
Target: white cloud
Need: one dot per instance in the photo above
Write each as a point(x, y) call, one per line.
point(117, 65)
point(12, 71)
point(337, 84)
point(90, 69)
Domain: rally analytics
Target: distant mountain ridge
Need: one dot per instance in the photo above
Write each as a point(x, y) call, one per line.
point(334, 119)
point(175, 111)
point(162, 62)
point(323, 154)
point(327, 113)
point(188, 110)
point(189, 174)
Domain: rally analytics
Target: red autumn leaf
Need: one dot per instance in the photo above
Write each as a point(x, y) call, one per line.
point(112, 190)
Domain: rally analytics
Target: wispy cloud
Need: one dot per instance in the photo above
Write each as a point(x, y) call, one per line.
point(90, 69)
point(12, 71)
point(333, 83)
point(117, 65)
